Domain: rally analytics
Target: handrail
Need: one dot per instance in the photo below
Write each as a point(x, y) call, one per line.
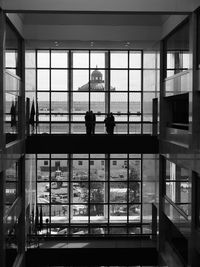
point(182, 73)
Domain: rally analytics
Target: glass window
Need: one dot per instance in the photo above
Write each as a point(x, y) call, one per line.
point(118, 79)
point(119, 60)
point(43, 59)
point(135, 80)
point(80, 59)
point(97, 59)
point(135, 59)
point(59, 80)
point(43, 81)
point(59, 59)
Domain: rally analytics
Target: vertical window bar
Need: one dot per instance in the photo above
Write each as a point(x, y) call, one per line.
point(50, 89)
point(142, 97)
point(128, 93)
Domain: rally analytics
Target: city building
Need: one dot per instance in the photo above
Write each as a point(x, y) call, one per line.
point(131, 198)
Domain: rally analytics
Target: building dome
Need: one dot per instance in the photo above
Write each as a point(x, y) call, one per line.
point(96, 82)
point(96, 75)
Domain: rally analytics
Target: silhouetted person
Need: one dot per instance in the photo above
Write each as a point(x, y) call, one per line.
point(93, 119)
point(110, 123)
point(88, 122)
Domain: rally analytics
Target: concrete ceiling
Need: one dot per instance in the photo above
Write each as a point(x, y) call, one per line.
point(102, 5)
point(94, 19)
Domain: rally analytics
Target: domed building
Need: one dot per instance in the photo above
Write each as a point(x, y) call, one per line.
point(96, 82)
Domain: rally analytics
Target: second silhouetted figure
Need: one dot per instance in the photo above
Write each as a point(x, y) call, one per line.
point(110, 123)
point(90, 120)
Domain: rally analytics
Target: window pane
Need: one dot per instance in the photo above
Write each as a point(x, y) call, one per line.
point(97, 59)
point(134, 170)
point(59, 170)
point(59, 80)
point(80, 213)
point(150, 60)
point(80, 59)
point(118, 103)
point(43, 59)
point(97, 171)
point(59, 59)
point(97, 192)
point(135, 80)
point(98, 212)
point(118, 192)
point(43, 102)
point(80, 192)
point(119, 59)
point(134, 192)
point(11, 59)
point(118, 170)
point(59, 213)
point(147, 106)
point(30, 80)
point(97, 80)
point(135, 59)
point(80, 104)
point(135, 103)
point(98, 101)
point(149, 77)
point(59, 103)
point(118, 79)
point(30, 59)
point(80, 80)
point(43, 196)
point(134, 213)
point(80, 170)
point(43, 79)
point(118, 212)
point(43, 170)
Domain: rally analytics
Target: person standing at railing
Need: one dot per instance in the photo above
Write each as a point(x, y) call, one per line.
point(110, 123)
point(93, 119)
point(88, 122)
